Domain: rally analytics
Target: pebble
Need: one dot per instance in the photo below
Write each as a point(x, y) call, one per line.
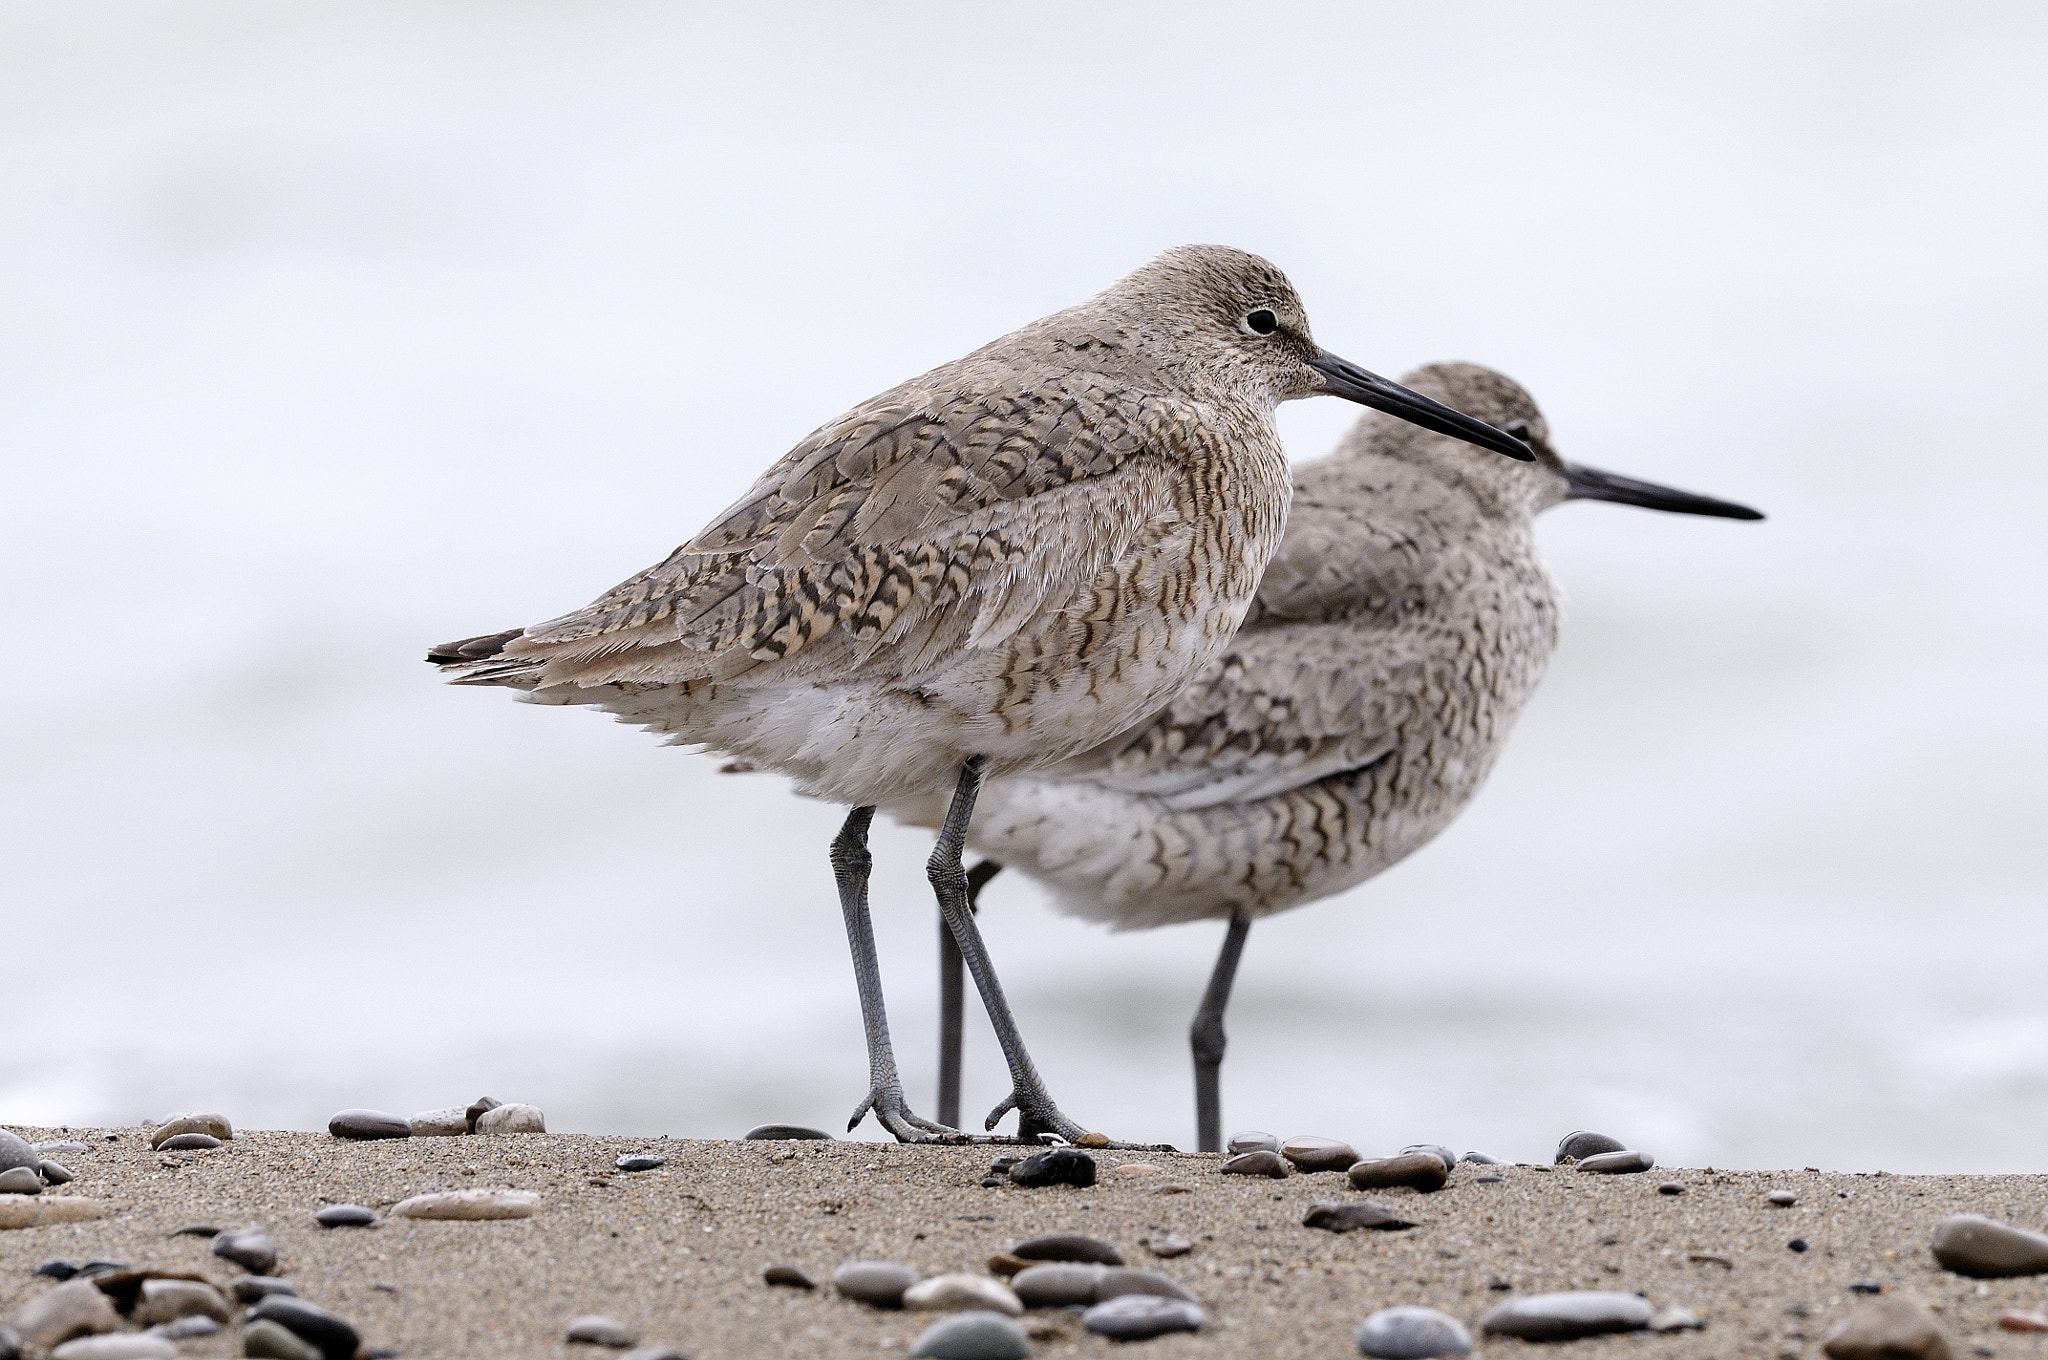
point(1117, 1281)
point(640, 1161)
point(317, 1327)
point(1168, 1245)
point(188, 1142)
point(1257, 1164)
point(345, 1216)
point(1318, 1154)
point(469, 1205)
point(1970, 1244)
point(972, 1336)
point(1424, 1171)
point(956, 1292)
point(1093, 1140)
point(256, 1288)
point(1068, 1247)
point(276, 1342)
point(57, 1269)
point(169, 1300)
point(654, 1353)
point(1624, 1163)
point(1672, 1318)
point(2022, 1320)
point(1410, 1332)
point(1568, 1316)
point(595, 1329)
point(1349, 1215)
point(1060, 1284)
point(1055, 1166)
point(197, 1230)
point(788, 1275)
point(1438, 1150)
point(1006, 1265)
point(1576, 1147)
point(58, 1145)
point(185, 1328)
point(506, 1119)
point(449, 1122)
point(1140, 1169)
point(1136, 1317)
point(120, 1346)
point(1887, 1329)
point(476, 1110)
point(771, 1131)
point(1481, 1159)
point(1487, 1180)
point(879, 1284)
point(75, 1308)
point(1866, 1287)
point(365, 1124)
point(22, 1180)
point(1252, 1141)
point(56, 1173)
point(1799, 1244)
point(212, 1125)
point(1784, 1199)
point(1671, 1188)
point(250, 1248)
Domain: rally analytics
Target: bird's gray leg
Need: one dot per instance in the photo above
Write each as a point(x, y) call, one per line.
point(1205, 1036)
point(951, 997)
point(850, 864)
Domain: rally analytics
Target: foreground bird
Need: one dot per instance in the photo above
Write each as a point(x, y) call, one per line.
point(1404, 621)
point(989, 568)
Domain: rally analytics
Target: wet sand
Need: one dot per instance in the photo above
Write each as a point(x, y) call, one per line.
point(678, 1252)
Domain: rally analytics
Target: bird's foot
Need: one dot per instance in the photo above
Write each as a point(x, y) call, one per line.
point(893, 1113)
point(1037, 1116)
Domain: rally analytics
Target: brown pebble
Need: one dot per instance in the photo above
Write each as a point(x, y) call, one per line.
point(1887, 1329)
point(1424, 1171)
point(1315, 1154)
point(1254, 1164)
point(1139, 1169)
point(1169, 1245)
point(1351, 1215)
point(789, 1275)
point(1006, 1265)
point(1094, 1140)
point(2022, 1320)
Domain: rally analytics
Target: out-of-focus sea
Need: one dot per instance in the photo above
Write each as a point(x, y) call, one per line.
point(329, 333)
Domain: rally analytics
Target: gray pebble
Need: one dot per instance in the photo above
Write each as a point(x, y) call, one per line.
point(276, 1342)
point(975, 1335)
point(71, 1309)
point(1054, 1166)
point(1784, 1199)
point(186, 1328)
point(162, 1301)
point(15, 1152)
point(508, 1119)
point(257, 1288)
point(119, 1346)
point(22, 1180)
point(1888, 1329)
point(762, 1132)
point(1252, 1141)
point(1623, 1163)
point(1168, 1245)
point(1566, 1316)
point(1437, 1150)
point(1480, 1159)
point(1068, 1247)
point(1487, 1180)
point(790, 1276)
point(596, 1330)
point(1410, 1332)
point(1135, 1317)
point(367, 1124)
point(188, 1142)
point(1058, 1284)
point(1576, 1147)
point(1970, 1244)
point(1319, 1154)
point(450, 1121)
point(213, 1125)
point(1117, 1281)
point(879, 1284)
point(477, 1109)
point(640, 1161)
point(1257, 1164)
point(1671, 1188)
point(345, 1216)
point(56, 1173)
point(1424, 1171)
point(58, 1145)
point(1342, 1216)
point(250, 1248)
point(317, 1327)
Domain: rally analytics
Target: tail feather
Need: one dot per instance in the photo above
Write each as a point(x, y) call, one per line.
point(471, 649)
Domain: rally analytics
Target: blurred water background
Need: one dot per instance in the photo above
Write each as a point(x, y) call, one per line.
point(329, 332)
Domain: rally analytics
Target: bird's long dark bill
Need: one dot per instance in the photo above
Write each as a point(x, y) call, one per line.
point(1342, 378)
point(1591, 484)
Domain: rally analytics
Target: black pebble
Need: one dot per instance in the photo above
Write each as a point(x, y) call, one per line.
point(57, 1270)
point(990, 1182)
point(197, 1230)
point(1797, 1244)
point(771, 1131)
point(640, 1161)
point(1671, 1188)
point(345, 1216)
point(1581, 1145)
point(1055, 1166)
point(335, 1338)
point(257, 1288)
point(1866, 1287)
point(1486, 1180)
point(100, 1267)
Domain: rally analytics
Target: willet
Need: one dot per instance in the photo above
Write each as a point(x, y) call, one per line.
point(1404, 621)
point(989, 568)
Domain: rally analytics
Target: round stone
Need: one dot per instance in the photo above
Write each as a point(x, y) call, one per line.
point(15, 1153)
point(1784, 1199)
point(367, 1124)
point(1093, 1140)
point(1887, 1329)
point(1480, 1159)
point(74, 1308)
point(1137, 1317)
point(22, 1180)
point(1671, 1188)
point(1567, 1316)
point(508, 1119)
point(1799, 1244)
point(1117, 1281)
point(450, 1121)
point(276, 1342)
point(1342, 1216)
point(1623, 1163)
point(317, 1327)
point(597, 1330)
point(1437, 1150)
point(640, 1161)
point(879, 1284)
point(1252, 1141)
point(345, 1216)
point(1970, 1244)
point(789, 1276)
point(1057, 1284)
point(1068, 1247)
point(959, 1291)
point(1424, 1171)
point(188, 1142)
point(1411, 1332)
point(1318, 1154)
point(168, 1300)
point(769, 1132)
point(250, 1248)
point(1168, 1245)
point(972, 1336)
point(212, 1125)
point(1054, 1166)
point(1576, 1147)
point(56, 1173)
point(1257, 1164)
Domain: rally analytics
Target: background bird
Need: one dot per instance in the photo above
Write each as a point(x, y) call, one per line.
point(1395, 636)
point(996, 565)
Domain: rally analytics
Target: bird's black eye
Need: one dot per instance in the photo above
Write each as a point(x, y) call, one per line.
point(1262, 322)
point(1519, 429)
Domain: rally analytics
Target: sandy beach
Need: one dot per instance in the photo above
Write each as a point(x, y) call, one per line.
point(677, 1253)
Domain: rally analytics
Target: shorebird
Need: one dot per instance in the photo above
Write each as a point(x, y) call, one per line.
point(991, 567)
point(1396, 634)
